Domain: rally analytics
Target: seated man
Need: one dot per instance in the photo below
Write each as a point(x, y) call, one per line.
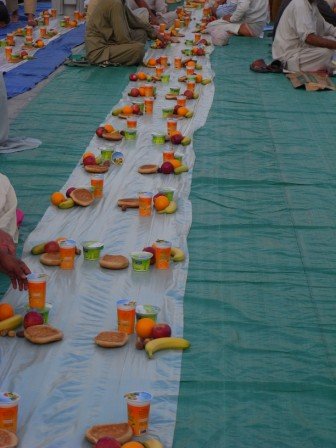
point(29, 9)
point(224, 7)
point(114, 35)
point(248, 20)
point(4, 15)
point(304, 41)
point(9, 264)
point(153, 11)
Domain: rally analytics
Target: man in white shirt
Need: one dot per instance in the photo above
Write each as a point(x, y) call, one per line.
point(304, 41)
point(248, 20)
point(153, 11)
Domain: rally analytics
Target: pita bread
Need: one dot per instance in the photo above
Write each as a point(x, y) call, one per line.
point(82, 196)
point(148, 169)
point(111, 339)
point(182, 79)
point(8, 439)
point(42, 334)
point(53, 259)
point(96, 168)
point(171, 96)
point(120, 431)
point(113, 136)
point(114, 262)
point(128, 203)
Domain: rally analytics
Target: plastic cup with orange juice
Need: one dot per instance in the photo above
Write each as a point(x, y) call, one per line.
point(197, 37)
point(138, 408)
point(167, 35)
point(43, 31)
point(149, 103)
point(132, 122)
point(162, 27)
point(67, 254)
point(191, 83)
point(162, 254)
point(126, 315)
point(37, 290)
point(77, 15)
point(149, 90)
point(177, 23)
point(159, 70)
point(97, 185)
point(10, 39)
point(178, 62)
point(164, 60)
point(46, 20)
point(181, 101)
point(145, 203)
point(187, 20)
point(171, 125)
point(190, 71)
point(168, 154)
point(9, 407)
point(8, 53)
point(29, 30)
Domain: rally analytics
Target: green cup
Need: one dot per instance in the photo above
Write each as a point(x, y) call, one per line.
point(165, 78)
point(106, 154)
point(166, 112)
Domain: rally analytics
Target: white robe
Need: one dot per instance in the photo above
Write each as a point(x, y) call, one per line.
point(8, 204)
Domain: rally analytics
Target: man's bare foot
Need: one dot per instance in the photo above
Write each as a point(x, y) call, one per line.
point(15, 17)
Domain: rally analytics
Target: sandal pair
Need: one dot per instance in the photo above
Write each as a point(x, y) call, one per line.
point(260, 66)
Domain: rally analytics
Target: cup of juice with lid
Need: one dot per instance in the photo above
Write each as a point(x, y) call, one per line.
point(126, 315)
point(9, 411)
point(67, 254)
point(37, 288)
point(138, 408)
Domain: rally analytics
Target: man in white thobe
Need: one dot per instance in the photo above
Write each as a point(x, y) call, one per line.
point(153, 11)
point(248, 20)
point(304, 41)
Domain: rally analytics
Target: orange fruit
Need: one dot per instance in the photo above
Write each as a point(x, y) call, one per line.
point(127, 110)
point(190, 64)
point(199, 78)
point(144, 327)
point(175, 133)
point(176, 163)
point(88, 154)
point(161, 202)
point(142, 91)
point(108, 128)
point(40, 43)
point(6, 311)
point(132, 445)
point(57, 197)
point(151, 62)
point(142, 76)
point(182, 111)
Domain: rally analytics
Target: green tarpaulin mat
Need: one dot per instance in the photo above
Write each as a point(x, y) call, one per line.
point(260, 300)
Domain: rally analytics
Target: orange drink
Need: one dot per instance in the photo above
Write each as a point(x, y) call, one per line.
point(149, 103)
point(46, 19)
point(191, 83)
point(97, 185)
point(10, 39)
point(179, 10)
point(8, 53)
point(145, 203)
point(162, 254)
point(191, 64)
point(162, 27)
point(197, 37)
point(171, 125)
point(181, 101)
point(9, 411)
point(67, 254)
point(177, 23)
point(29, 30)
point(149, 90)
point(29, 40)
point(126, 315)
point(190, 71)
point(37, 289)
point(178, 63)
point(167, 155)
point(43, 31)
point(159, 70)
point(53, 13)
point(167, 35)
point(138, 407)
point(77, 15)
point(164, 60)
point(132, 122)
point(187, 21)
point(66, 20)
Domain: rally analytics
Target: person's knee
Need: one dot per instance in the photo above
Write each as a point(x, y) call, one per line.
point(138, 51)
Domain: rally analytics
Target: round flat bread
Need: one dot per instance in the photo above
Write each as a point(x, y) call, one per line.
point(111, 339)
point(50, 259)
point(82, 196)
point(96, 168)
point(128, 203)
point(114, 262)
point(148, 169)
point(120, 431)
point(113, 136)
point(8, 439)
point(170, 96)
point(42, 334)
point(182, 79)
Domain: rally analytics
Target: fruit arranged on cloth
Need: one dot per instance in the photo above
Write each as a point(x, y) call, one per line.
point(134, 92)
point(108, 132)
point(107, 442)
point(148, 169)
point(111, 339)
point(114, 262)
point(152, 443)
point(168, 168)
point(11, 323)
point(153, 62)
point(128, 203)
point(158, 44)
point(189, 62)
point(161, 330)
point(51, 247)
point(51, 33)
point(169, 343)
point(163, 205)
point(151, 250)
point(203, 42)
point(177, 138)
point(181, 112)
point(38, 43)
point(122, 432)
point(127, 111)
point(140, 76)
point(177, 254)
point(8, 439)
point(42, 334)
point(94, 164)
point(144, 327)
point(6, 311)
point(133, 445)
point(32, 318)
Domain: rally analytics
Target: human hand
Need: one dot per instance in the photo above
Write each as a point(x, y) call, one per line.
point(16, 270)
point(7, 244)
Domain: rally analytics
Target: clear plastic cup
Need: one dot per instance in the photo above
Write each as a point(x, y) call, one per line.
point(150, 311)
point(138, 408)
point(162, 254)
point(9, 407)
point(67, 254)
point(97, 184)
point(37, 288)
point(145, 203)
point(149, 105)
point(126, 315)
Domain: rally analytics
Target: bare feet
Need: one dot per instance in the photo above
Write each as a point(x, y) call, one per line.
point(15, 17)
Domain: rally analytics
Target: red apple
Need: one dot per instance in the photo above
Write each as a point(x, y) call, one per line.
point(176, 139)
point(189, 94)
point(200, 52)
point(69, 190)
point(51, 247)
point(161, 330)
point(176, 109)
point(32, 318)
point(89, 160)
point(151, 250)
point(133, 77)
point(24, 54)
point(167, 168)
point(136, 109)
point(100, 131)
point(107, 442)
point(134, 92)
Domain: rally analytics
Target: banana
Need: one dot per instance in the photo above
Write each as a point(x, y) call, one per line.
point(195, 96)
point(206, 81)
point(11, 322)
point(198, 67)
point(177, 254)
point(172, 207)
point(189, 115)
point(155, 345)
point(186, 141)
point(69, 203)
point(181, 169)
point(152, 443)
point(38, 249)
point(116, 112)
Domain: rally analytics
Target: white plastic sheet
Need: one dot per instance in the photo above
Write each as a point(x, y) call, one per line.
point(68, 386)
